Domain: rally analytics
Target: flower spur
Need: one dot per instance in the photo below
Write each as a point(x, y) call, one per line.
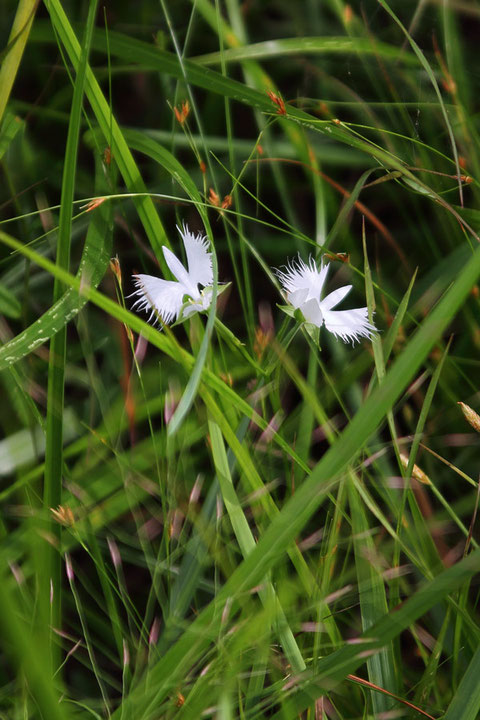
point(166, 298)
point(303, 284)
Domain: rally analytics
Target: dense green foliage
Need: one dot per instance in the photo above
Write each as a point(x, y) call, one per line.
point(234, 517)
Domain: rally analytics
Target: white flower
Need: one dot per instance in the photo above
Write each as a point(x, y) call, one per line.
point(166, 298)
point(303, 285)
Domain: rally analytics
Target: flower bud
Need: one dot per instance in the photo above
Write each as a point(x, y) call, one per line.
point(470, 416)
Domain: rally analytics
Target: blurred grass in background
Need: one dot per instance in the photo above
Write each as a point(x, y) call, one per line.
point(224, 519)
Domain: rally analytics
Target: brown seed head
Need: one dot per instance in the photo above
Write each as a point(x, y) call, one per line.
point(278, 101)
point(63, 515)
point(227, 202)
point(183, 113)
point(262, 340)
point(449, 84)
point(107, 155)
point(341, 256)
point(93, 204)
point(116, 269)
point(323, 110)
point(470, 416)
point(417, 473)
point(213, 198)
point(347, 14)
point(227, 378)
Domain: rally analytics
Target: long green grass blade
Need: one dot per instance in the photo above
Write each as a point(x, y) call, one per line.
point(346, 660)
point(27, 652)
point(136, 51)
point(13, 53)
point(8, 130)
point(466, 702)
point(306, 46)
point(9, 305)
point(94, 261)
point(421, 57)
point(246, 542)
point(50, 591)
point(112, 133)
point(373, 603)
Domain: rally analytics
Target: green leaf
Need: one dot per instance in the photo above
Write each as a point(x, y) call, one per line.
point(9, 129)
point(93, 263)
point(466, 701)
point(246, 542)
point(307, 46)
point(373, 602)
point(17, 40)
point(335, 667)
point(392, 332)
point(26, 651)
point(9, 305)
point(131, 50)
point(431, 76)
point(49, 594)
point(112, 134)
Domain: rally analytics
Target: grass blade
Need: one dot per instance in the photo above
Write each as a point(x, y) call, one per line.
point(52, 491)
point(466, 701)
point(93, 263)
point(28, 652)
point(373, 603)
point(111, 131)
point(14, 51)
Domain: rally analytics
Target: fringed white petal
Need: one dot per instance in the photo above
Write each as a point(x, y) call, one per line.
point(300, 276)
point(350, 325)
point(200, 271)
point(159, 297)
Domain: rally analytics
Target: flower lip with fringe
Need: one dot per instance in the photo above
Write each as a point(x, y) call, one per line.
point(303, 284)
point(165, 299)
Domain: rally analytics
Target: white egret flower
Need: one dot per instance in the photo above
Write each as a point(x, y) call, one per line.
point(169, 299)
point(303, 284)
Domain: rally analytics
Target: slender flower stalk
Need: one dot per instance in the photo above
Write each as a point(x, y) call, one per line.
point(170, 300)
point(303, 284)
